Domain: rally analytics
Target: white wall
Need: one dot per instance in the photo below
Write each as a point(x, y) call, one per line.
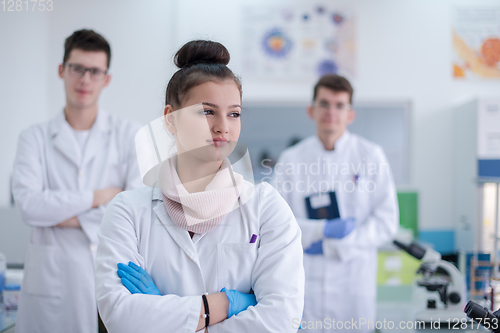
point(404, 52)
point(23, 83)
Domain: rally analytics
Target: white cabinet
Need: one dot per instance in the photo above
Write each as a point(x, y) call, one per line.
point(476, 172)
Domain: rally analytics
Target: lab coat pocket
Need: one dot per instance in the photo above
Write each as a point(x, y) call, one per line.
point(235, 262)
point(43, 271)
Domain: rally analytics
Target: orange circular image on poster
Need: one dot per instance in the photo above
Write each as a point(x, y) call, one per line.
point(490, 51)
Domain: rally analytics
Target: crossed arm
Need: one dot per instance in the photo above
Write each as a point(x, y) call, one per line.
point(101, 197)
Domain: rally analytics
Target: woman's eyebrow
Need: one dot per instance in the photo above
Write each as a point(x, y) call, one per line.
point(215, 106)
point(209, 104)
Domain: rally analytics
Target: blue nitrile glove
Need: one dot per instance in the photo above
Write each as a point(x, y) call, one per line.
point(338, 228)
point(315, 248)
point(136, 279)
point(238, 301)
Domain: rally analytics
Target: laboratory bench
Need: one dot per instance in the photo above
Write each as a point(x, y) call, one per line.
point(394, 304)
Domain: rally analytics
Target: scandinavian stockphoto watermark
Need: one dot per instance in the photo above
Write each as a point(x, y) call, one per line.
point(363, 323)
point(312, 185)
point(322, 176)
point(322, 167)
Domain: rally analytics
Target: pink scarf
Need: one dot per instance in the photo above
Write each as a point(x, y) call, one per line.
point(200, 212)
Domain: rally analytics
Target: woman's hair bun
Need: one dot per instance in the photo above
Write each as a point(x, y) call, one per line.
point(201, 52)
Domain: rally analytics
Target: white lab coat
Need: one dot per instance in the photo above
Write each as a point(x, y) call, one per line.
point(136, 227)
point(52, 183)
point(341, 283)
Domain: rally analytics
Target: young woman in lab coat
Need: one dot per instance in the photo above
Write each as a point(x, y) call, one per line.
point(252, 253)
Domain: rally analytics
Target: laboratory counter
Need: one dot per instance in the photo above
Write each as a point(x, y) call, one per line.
point(396, 310)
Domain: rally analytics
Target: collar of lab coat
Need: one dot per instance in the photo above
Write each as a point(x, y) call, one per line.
point(179, 235)
point(59, 123)
point(64, 139)
point(157, 193)
point(339, 144)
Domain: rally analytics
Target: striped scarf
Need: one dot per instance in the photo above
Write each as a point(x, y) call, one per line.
point(200, 212)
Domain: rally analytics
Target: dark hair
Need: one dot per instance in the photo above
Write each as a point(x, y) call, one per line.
point(336, 83)
point(199, 61)
point(86, 40)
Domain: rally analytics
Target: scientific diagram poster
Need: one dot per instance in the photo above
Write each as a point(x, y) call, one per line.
point(476, 42)
point(298, 43)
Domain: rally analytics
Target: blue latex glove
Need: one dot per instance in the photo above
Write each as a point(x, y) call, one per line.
point(136, 279)
point(338, 228)
point(315, 248)
point(238, 301)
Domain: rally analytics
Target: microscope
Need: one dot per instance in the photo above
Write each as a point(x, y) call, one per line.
point(441, 286)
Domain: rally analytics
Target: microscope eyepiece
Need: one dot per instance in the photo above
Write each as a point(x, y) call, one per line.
point(474, 310)
point(413, 249)
point(482, 316)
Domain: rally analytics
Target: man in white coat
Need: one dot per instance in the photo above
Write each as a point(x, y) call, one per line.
point(65, 172)
point(341, 191)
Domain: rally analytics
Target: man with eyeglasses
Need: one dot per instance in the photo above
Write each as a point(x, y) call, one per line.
point(65, 173)
point(341, 190)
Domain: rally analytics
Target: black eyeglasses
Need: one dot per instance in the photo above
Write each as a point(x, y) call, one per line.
point(325, 106)
point(78, 71)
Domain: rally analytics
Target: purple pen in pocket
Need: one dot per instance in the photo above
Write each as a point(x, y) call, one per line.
point(253, 239)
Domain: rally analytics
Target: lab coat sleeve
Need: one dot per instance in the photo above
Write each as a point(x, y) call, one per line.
point(39, 206)
point(312, 230)
point(120, 310)
point(382, 223)
point(90, 222)
point(278, 274)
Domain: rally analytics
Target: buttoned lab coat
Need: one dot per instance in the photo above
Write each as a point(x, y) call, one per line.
point(341, 283)
point(52, 183)
point(137, 227)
